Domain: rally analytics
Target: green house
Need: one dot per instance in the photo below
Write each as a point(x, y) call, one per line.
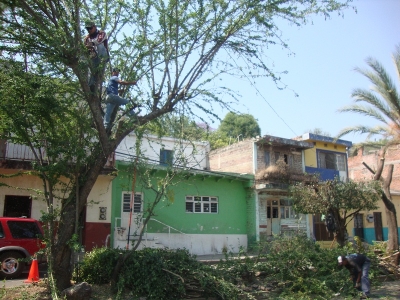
point(203, 211)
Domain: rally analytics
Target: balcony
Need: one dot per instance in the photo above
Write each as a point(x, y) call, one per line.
point(323, 174)
point(280, 177)
point(17, 156)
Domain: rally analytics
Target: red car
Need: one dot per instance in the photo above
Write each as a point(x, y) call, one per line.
point(20, 239)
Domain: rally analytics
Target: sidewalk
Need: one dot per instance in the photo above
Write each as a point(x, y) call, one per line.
point(10, 283)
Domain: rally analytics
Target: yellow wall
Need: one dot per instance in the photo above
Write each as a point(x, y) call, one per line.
point(310, 155)
point(26, 185)
point(369, 232)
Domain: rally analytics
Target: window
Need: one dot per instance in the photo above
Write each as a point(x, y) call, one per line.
point(24, 230)
point(166, 157)
point(277, 155)
point(137, 202)
point(287, 212)
point(267, 158)
point(201, 204)
point(332, 161)
point(288, 159)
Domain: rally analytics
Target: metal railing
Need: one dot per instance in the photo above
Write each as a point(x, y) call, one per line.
point(145, 236)
point(18, 152)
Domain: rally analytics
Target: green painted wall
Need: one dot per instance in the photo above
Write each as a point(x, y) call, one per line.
point(251, 217)
point(233, 203)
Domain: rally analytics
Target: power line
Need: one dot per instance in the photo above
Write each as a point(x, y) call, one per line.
point(252, 84)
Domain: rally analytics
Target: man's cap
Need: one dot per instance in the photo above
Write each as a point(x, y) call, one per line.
point(89, 24)
point(339, 260)
point(115, 70)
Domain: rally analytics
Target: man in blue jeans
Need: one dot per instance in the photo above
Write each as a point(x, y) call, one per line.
point(113, 99)
point(358, 266)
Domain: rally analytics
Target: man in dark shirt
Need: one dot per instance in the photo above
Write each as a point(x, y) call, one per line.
point(97, 44)
point(358, 266)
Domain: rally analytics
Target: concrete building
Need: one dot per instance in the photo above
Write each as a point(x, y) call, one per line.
point(276, 163)
point(372, 225)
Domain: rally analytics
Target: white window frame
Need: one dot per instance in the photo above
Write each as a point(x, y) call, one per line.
point(339, 160)
point(202, 204)
point(137, 205)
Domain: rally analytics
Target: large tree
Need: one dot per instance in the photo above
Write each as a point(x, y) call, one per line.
point(239, 126)
point(341, 199)
point(233, 128)
point(175, 49)
point(381, 103)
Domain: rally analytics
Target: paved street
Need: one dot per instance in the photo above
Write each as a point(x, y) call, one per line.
point(24, 276)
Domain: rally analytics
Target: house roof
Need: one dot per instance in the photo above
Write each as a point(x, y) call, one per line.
point(322, 138)
point(278, 141)
point(199, 172)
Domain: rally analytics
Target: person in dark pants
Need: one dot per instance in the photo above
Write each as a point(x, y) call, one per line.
point(96, 43)
point(113, 100)
point(358, 266)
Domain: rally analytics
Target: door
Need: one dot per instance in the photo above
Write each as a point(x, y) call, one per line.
point(378, 226)
point(273, 221)
point(134, 219)
point(276, 222)
point(17, 206)
point(359, 226)
point(320, 231)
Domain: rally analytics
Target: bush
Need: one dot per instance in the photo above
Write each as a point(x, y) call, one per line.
point(97, 266)
point(296, 266)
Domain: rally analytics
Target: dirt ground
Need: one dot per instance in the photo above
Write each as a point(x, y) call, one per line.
point(389, 290)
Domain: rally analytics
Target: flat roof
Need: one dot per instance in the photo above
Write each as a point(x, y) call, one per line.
point(278, 141)
point(322, 138)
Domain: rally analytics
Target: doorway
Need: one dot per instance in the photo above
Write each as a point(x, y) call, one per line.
point(273, 220)
point(17, 206)
point(359, 226)
point(378, 226)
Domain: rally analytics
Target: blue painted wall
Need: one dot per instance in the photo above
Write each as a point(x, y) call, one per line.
point(369, 234)
point(324, 174)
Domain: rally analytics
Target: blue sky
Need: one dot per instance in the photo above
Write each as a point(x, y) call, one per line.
point(322, 72)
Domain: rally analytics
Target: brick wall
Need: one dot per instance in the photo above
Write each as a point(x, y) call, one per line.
point(237, 158)
point(297, 166)
point(357, 171)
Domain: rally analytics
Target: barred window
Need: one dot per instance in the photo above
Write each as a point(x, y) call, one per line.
point(126, 202)
point(201, 204)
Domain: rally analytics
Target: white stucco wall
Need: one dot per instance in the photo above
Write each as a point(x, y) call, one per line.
point(198, 244)
point(27, 185)
point(186, 153)
point(100, 196)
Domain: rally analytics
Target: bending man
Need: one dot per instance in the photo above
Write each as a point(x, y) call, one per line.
point(358, 266)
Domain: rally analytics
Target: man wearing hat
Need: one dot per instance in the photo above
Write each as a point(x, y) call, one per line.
point(97, 44)
point(358, 266)
point(113, 99)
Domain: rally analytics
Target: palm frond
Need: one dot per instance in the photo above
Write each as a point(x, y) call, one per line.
point(362, 95)
point(396, 60)
point(364, 110)
point(382, 102)
point(361, 130)
point(384, 85)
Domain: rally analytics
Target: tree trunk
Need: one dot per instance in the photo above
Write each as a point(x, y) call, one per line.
point(341, 232)
point(390, 209)
point(61, 251)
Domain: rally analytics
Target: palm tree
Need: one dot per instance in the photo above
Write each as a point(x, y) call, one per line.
point(382, 103)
